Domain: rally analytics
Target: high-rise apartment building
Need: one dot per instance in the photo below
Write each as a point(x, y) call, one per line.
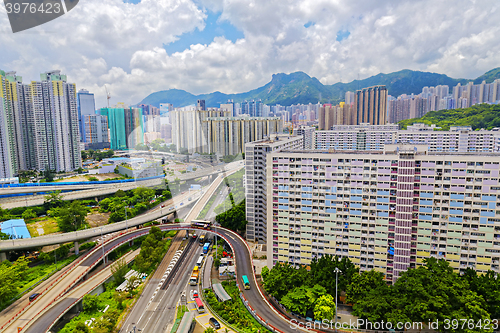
point(330, 115)
point(307, 133)
point(228, 135)
point(252, 108)
point(7, 133)
point(355, 137)
point(17, 120)
point(255, 176)
point(95, 128)
point(375, 137)
point(370, 106)
point(116, 125)
point(187, 128)
point(86, 106)
point(56, 122)
point(134, 127)
point(201, 105)
point(384, 210)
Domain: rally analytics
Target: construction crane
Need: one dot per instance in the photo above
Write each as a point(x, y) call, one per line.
point(108, 95)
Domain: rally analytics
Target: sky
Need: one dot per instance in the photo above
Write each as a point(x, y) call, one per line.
point(137, 47)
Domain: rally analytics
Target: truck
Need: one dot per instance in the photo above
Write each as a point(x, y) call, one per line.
point(194, 277)
point(206, 247)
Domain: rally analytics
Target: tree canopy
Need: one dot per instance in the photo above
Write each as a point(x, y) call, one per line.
point(478, 116)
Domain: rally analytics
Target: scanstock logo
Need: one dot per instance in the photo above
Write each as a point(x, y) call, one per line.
point(26, 14)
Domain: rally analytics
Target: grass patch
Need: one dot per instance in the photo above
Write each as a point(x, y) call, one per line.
point(235, 182)
point(48, 224)
point(233, 311)
point(181, 310)
point(209, 204)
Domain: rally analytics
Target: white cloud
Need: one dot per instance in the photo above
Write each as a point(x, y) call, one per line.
point(121, 44)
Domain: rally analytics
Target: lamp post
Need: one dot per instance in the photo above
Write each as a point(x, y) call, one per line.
point(126, 220)
point(337, 271)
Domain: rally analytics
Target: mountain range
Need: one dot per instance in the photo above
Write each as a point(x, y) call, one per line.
point(298, 87)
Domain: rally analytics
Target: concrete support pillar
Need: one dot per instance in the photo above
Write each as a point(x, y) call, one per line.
point(3, 256)
point(130, 243)
point(105, 260)
point(77, 248)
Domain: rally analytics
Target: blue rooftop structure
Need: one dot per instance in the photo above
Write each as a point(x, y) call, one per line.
point(16, 228)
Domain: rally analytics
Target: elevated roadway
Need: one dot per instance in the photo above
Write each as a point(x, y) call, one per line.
point(151, 215)
point(81, 192)
point(253, 296)
point(43, 187)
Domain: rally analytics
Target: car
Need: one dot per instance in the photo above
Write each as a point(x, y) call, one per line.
point(190, 199)
point(34, 296)
point(182, 203)
point(214, 323)
point(194, 236)
point(195, 294)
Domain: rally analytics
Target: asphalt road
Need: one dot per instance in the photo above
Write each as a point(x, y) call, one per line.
point(161, 313)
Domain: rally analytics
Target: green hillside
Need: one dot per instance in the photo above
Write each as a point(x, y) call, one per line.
point(478, 116)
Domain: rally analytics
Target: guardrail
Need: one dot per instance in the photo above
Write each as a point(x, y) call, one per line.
point(99, 182)
point(71, 268)
point(68, 307)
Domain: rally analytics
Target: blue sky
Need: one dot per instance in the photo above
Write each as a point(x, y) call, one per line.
point(214, 28)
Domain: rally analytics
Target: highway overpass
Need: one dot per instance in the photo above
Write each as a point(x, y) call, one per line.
point(21, 244)
point(35, 200)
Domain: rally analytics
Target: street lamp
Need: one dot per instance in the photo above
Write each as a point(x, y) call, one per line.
point(337, 271)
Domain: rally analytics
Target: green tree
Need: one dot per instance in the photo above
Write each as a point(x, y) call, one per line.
point(233, 219)
point(119, 297)
point(11, 277)
point(120, 194)
point(362, 284)
point(297, 300)
point(90, 303)
point(322, 272)
point(324, 308)
point(209, 330)
point(28, 214)
point(486, 285)
point(48, 174)
point(53, 199)
point(85, 155)
point(119, 269)
point(81, 327)
point(141, 146)
point(434, 292)
point(72, 218)
point(145, 194)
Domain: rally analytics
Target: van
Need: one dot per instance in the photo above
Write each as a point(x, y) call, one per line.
point(34, 296)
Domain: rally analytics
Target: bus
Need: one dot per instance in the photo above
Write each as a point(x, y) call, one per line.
point(199, 305)
point(201, 239)
point(206, 247)
point(246, 283)
point(200, 261)
point(201, 224)
point(194, 277)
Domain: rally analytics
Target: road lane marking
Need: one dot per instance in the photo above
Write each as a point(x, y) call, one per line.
point(203, 315)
